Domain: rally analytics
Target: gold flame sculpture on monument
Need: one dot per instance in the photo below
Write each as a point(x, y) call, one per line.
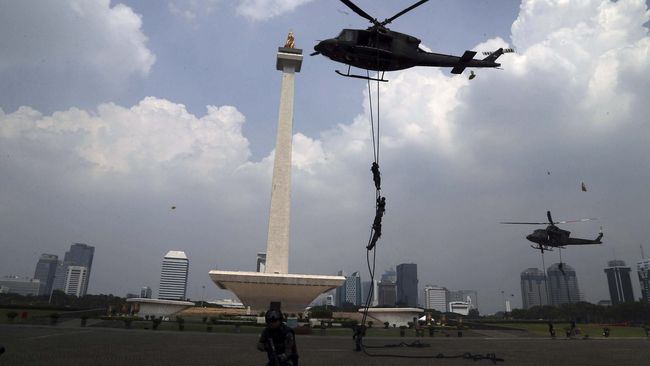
point(258, 289)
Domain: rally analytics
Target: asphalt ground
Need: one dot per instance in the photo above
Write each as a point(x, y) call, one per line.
point(50, 345)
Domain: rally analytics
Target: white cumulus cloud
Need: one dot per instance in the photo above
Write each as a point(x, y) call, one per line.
point(67, 50)
point(266, 9)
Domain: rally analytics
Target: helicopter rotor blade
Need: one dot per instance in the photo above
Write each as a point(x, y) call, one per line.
point(550, 219)
point(524, 223)
point(389, 20)
point(572, 221)
point(359, 11)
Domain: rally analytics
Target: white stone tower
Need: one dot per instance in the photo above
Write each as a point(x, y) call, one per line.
point(289, 62)
point(293, 291)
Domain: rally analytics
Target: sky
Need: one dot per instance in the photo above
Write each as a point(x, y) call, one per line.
point(113, 112)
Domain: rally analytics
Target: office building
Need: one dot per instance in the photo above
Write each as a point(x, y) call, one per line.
point(533, 288)
point(389, 276)
point(80, 255)
point(59, 276)
point(261, 262)
point(329, 300)
point(145, 292)
point(407, 285)
point(643, 270)
point(367, 285)
point(350, 292)
point(76, 280)
point(436, 298)
point(470, 296)
point(387, 294)
point(45, 272)
point(619, 282)
point(173, 276)
point(562, 284)
point(20, 285)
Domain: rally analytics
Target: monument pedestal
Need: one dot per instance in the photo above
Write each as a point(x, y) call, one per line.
point(258, 290)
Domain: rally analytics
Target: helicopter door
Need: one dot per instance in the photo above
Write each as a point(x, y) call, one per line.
point(384, 42)
point(364, 39)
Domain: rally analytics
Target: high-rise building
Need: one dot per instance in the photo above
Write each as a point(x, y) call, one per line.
point(470, 296)
point(20, 285)
point(45, 272)
point(173, 276)
point(350, 292)
point(407, 285)
point(562, 284)
point(145, 292)
point(80, 255)
point(387, 294)
point(389, 276)
point(329, 300)
point(643, 270)
point(619, 282)
point(533, 288)
point(367, 285)
point(59, 276)
point(76, 280)
point(436, 298)
point(261, 262)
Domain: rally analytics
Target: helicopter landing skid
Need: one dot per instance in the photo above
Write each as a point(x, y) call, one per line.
point(348, 75)
point(542, 248)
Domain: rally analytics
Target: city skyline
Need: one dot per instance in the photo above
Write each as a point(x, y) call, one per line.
point(389, 274)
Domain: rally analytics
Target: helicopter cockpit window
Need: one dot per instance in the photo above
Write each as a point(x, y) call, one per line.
point(346, 35)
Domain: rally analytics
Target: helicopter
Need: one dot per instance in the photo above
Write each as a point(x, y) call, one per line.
point(381, 49)
point(553, 236)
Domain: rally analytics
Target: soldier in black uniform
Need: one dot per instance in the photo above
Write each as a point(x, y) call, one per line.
point(278, 341)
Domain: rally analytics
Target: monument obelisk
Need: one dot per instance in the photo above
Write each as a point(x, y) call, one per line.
point(289, 61)
point(293, 291)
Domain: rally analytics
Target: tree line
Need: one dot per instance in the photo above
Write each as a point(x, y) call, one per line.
point(584, 312)
point(60, 301)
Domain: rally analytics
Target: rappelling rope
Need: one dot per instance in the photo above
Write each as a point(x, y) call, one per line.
point(371, 247)
point(375, 233)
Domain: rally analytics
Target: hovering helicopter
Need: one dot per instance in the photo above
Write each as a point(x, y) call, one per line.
point(553, 236)
point(381, 49)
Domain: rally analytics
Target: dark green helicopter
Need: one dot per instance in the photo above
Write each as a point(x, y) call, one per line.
point(553, 236)
point(381, 49)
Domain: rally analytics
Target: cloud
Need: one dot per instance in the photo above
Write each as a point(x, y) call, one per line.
point(190, 10)
point(155, 136)
point(267, 9)
point(65, 49)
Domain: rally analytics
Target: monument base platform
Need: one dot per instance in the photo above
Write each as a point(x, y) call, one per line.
point(159, 307)
point(258, 290)
point(397, 316)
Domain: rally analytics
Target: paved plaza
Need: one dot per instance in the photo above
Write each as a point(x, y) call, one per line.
point(46, 345)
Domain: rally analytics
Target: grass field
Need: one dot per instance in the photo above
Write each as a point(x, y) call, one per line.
point(195, 325)
point(593, 330)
